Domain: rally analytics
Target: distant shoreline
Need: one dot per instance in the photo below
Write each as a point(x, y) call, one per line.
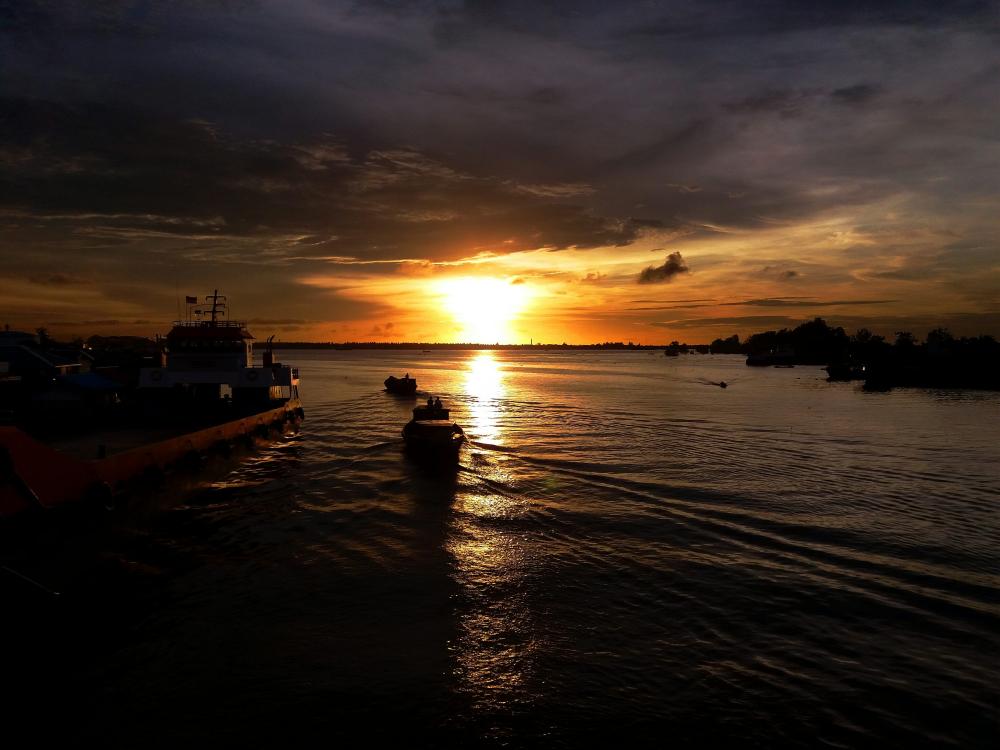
point(407, 345)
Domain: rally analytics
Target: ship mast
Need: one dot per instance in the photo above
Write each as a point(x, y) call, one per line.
point(216, 304)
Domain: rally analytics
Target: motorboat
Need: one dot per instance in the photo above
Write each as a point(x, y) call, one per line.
point(405, 385)
point(432, 435)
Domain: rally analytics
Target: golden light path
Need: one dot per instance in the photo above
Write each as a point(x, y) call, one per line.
point(484, 382)
point(497, 639)
point(484, 308)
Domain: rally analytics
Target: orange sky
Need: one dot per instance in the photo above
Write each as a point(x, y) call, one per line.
point(371, 172)
point(733, 282)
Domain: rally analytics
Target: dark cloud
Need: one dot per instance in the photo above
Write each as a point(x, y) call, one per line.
point(786, 103)
point(282, 74)
point(672, 266)
point(128, 175)
point(264, 140)
point(746, 322)
point(860, 93)
point(780, 274)
point(384, 330)
point(724, 18)
point(677, 301)
point(800, 102)
point(786, 302)
point(770, 302)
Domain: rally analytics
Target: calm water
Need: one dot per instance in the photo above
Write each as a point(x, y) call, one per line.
point(626, 551)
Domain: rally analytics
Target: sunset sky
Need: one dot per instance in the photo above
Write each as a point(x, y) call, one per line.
point(441, 171)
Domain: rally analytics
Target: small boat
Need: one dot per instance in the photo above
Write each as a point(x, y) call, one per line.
point(404, 385)
point(431, 435)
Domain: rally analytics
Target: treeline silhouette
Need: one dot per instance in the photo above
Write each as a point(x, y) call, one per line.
point(941, 360)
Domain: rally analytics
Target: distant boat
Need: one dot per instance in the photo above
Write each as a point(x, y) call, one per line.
point(432, 436)
point(405, 385)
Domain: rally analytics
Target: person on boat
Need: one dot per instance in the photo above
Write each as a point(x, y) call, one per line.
point(430, 402)
point(437, 403)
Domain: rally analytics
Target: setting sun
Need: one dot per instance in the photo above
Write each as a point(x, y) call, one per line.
point(484, 308)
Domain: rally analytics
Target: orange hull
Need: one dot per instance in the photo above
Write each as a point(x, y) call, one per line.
point(35, 476)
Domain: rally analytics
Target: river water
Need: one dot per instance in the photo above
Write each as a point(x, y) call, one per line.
point(626, 552)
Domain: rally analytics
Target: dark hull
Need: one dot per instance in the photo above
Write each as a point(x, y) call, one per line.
point(435, 441)
point(401, 386)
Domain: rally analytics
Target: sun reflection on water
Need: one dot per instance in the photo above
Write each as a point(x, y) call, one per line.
point(497, 641)
point(484, 381)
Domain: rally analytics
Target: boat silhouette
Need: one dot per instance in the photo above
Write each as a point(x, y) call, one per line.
point(432, 436)
point(405, 385)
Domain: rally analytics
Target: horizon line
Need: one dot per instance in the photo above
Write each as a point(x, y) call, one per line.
point(479, 345)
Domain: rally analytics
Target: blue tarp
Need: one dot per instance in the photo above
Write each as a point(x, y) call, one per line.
point(90, 381)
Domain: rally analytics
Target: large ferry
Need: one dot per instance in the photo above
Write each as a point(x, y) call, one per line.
point(206, 393)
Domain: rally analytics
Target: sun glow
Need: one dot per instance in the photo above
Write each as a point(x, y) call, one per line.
point(484, 381)
point(484, 308)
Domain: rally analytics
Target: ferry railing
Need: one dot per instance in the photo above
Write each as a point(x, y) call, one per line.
point(210, 324)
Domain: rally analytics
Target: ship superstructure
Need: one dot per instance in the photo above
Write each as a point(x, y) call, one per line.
point(210, 357)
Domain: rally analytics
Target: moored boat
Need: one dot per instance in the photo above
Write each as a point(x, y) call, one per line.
point(206, 394)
